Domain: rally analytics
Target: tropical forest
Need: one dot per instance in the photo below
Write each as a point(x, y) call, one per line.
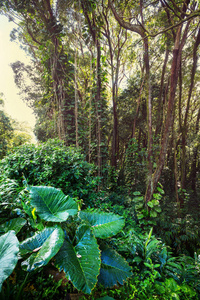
point(104, 203)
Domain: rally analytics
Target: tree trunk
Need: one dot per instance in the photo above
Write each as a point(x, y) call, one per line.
point(94, 30)
point(149, 111)
point(76, 98)
point(193, 173)
point(184, 128)
point(149, 191)
point(161, 97)
point(137, 109)
point(178, 46)
point(98, 104)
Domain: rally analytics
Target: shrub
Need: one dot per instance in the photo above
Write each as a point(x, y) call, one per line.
point(53, 164)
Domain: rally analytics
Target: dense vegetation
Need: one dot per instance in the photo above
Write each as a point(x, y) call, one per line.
point(47, 221)
point(115, 88)
point(12, 133)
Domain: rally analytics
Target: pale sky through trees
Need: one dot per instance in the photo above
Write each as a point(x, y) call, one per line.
point(10, 52)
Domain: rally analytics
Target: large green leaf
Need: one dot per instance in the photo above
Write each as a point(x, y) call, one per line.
point(103, 224)
point(114, 268)
point(13, 224)
point(9, 248)
point(43, 246)
point(80, 262)
point(52, 204)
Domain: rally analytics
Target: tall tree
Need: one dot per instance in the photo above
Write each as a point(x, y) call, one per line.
point(180, 34)
point(41, 33)
point(116, 38)
point(184, 126)
point(95, 33)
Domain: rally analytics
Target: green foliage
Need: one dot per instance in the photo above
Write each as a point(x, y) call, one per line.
point(81, 261)
point(43, 246)
point(11, 132)
point(45, 288)
point(9, 205)
point(114, 268)
point(9, 248)
point(14, 224)
point(170, 289)
point(179, 227)
point(6, 133)
point(156, 273)
point(142, 249)
point(135, 167)
point(149, 288)
point(21, 134)
point(69, 239)
point(51, 164)
point(37, 285)
point(146, 214)
point(9, 190)
point(112, 175)
point(104, 225)
point(51, 204)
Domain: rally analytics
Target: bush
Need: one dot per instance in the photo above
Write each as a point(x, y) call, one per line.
point(51, 163)
point(157, 274)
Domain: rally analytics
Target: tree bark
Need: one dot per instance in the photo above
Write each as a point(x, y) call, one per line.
point(98, 104)
point(193, 173)
point(76, 98)
point(184, 128)
point(152, 179)
point(161, 98)
point(94, 30)
point(178, 46)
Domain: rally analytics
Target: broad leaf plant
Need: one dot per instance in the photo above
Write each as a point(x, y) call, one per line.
point(72, 239)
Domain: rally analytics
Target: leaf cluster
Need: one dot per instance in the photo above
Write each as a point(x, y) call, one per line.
point(51, 164)
point(78, 254)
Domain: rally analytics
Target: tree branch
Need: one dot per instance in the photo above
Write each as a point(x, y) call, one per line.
point(133, 27)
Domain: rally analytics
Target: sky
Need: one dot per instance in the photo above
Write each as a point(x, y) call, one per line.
point(11, 52)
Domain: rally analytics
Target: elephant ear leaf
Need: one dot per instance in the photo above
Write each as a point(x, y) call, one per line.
point(14, 224)
point(52, 204)
point(114, 268)
point(42, 246)
point(9, 248)
point(80, 262)
point(104, 225)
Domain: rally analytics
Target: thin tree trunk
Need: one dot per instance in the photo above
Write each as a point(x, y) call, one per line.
point(98, 104)
point(90, 113)
point(149, 113)
point(137, 109)
point(179, 43)
point(76, 98)
point(95, 36)
point(185, 125)
point(193, 173)
point(149, 190)
point(160, 98)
